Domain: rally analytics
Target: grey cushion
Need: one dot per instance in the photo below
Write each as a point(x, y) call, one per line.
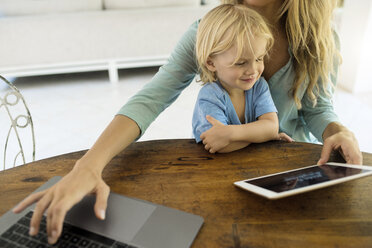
point(82, 37)
point(32, 7)
point(125, 4)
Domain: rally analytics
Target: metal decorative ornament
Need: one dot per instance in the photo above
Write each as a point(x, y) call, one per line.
point(18, 122)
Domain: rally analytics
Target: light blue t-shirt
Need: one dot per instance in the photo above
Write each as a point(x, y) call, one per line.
point(215, 101)
point(180, 70)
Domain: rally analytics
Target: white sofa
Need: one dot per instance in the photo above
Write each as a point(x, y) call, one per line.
point(39, 37)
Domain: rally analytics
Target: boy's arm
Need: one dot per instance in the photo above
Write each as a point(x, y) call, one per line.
point(234, 146)
point(226, 138)
point(264, 129)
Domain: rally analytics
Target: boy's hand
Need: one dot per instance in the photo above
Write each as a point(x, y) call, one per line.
point(284, 137)
point(217, 137)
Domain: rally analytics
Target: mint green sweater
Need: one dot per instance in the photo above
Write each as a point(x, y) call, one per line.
point(180, 70)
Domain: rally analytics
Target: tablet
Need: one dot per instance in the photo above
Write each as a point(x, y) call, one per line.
point(292, 182)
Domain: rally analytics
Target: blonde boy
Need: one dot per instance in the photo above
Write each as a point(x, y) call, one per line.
point(234, 108)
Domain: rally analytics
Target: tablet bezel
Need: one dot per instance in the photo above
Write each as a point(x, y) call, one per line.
point(275, 195)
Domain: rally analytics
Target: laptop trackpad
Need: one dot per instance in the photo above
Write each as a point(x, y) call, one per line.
point(124, 216)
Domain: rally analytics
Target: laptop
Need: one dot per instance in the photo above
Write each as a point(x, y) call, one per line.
point(129, 223)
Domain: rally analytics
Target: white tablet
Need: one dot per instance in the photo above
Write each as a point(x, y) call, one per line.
point(292, 182)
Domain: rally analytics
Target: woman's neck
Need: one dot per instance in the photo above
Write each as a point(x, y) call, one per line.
point(270, 12)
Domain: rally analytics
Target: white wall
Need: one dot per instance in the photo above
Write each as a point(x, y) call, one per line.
point(356, 39)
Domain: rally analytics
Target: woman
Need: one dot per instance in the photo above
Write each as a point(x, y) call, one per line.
point(298, 68)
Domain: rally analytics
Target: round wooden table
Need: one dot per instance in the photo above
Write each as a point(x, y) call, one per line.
point(181, 174)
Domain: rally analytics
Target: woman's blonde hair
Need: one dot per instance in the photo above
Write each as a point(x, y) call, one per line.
point(312, 42)
point(223, 27)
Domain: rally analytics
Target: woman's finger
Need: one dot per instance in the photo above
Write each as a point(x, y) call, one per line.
point(207, 147)
point(326, 153)
point(41, 206)
point(352, 156)
point(28, 201)
point(56, 215)
point(102, 194)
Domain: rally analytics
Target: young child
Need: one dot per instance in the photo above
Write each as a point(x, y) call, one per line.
point(234, 108)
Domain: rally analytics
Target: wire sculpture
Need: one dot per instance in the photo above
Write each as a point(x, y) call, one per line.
point(12, 98)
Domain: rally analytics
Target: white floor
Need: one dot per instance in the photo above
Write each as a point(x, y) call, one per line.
point(70, 111)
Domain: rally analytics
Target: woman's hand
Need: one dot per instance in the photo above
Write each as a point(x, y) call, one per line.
point(217, 137)
point(58, 199)
point(83, 179)
point(343, 141)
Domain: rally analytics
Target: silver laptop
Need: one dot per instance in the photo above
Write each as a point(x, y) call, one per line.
point(129, 223)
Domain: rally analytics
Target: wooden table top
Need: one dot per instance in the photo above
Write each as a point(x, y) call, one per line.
point(181, 174)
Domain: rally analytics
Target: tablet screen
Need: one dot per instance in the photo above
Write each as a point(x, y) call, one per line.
point(304, 177)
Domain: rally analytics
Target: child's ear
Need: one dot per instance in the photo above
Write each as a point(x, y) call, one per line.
point(210, 65)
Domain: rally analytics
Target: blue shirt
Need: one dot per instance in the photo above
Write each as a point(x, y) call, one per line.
point(180, 70)
point(215, 101)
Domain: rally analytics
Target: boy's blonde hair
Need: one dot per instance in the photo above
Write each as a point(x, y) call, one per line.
point(223, 27)
point(308, 24)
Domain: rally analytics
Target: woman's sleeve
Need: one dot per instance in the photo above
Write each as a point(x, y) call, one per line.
point(317, 118)
point(166, 85)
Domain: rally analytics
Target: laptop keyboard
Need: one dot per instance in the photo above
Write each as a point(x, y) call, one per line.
point(71, 237)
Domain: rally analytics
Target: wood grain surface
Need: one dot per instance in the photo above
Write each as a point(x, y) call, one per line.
point(181, 174)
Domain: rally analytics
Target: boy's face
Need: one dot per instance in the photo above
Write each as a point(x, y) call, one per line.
point(243, 74)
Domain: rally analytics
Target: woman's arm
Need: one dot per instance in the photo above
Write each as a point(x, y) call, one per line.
point(132, 121)
point(323, 123)
point(166, 85)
